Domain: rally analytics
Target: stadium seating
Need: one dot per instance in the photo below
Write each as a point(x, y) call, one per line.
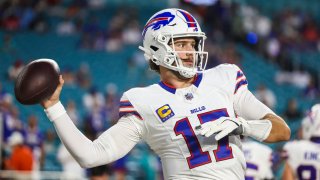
point(270, 9)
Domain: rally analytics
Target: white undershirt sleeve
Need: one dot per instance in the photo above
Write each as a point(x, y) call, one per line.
point(249, 107)
point(111, 145)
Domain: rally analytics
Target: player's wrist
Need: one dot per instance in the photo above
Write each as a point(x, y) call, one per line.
point(257, 129)
point(55, 111)
point(49, 103)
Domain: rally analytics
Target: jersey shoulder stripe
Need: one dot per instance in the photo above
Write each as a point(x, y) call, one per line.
point(125, 113)
point(126, 108)
point(241, 79)
point(240, 83)
point(125, 104)
point(239, 74)
point(230, 74)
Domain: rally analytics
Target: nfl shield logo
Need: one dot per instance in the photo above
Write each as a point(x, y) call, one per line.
point(188, 96)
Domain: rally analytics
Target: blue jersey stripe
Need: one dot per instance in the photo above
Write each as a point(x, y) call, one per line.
point(196, 82)
point(125, 104)
point(252, 166)
point(239, 84)
point(239, 74)
point(198, 79)
point(130, 112)
point(168, 88)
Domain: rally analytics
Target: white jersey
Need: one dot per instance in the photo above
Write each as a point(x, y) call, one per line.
point(304, 158)
point(259, 160)
point(166, 118)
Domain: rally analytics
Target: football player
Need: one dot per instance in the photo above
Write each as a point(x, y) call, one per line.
point(258, 159)
point(303, 156)
point(189, 118)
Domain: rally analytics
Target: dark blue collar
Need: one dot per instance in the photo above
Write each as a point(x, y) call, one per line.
point(315, 139)
point(197, 79)
point(196, 82)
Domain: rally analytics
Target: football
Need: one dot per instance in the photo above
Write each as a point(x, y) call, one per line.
point(37, 81)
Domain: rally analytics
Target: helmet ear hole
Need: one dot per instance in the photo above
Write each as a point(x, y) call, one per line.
point(169, 60)
point(162, 38)
point(155, 61)
point(154, 48)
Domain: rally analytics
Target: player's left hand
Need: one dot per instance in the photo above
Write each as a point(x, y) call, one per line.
point(222, 127)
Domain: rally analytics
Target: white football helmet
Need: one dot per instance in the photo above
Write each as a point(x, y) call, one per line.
point(161, 29)
point(311, 123)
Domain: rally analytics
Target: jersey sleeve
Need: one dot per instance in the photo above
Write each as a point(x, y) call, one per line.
point(241, 83)
point(246, 105)
point(126, 108)
point(111, 145)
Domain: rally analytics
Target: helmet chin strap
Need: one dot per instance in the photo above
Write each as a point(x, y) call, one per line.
point(180, 75)
point(184, 72)
point(186, 75)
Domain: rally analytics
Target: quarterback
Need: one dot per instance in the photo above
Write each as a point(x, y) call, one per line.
point(192, 118)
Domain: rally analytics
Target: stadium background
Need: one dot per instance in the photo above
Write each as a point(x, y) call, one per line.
point(276, 44)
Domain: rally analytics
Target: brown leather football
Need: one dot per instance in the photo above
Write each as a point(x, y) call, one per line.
point(37, 81)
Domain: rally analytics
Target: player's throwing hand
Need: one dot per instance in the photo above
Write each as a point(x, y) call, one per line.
point(55, 98)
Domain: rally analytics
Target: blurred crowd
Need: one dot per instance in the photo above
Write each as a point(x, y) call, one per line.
point(226, 23)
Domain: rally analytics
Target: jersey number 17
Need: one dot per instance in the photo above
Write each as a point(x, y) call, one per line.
point(197, 156)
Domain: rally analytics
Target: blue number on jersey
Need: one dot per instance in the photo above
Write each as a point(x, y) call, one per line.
point(198, 157)
point(251, 166)
point(310, 168)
